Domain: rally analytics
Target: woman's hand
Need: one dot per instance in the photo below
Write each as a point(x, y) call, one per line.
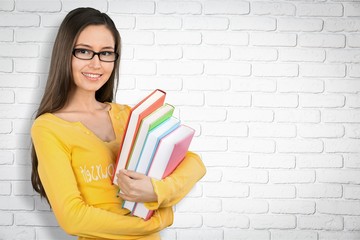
point(135, 187)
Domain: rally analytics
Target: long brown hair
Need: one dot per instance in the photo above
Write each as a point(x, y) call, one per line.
point(60, 79)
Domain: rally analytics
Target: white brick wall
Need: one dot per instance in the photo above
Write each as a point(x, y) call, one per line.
point(272, 89)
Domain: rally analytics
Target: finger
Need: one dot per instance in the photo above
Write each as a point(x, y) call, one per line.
point(134, 175)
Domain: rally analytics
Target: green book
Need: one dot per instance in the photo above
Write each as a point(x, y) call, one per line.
point(153, 120)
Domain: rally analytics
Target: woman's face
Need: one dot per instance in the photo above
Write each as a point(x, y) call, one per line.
point(91, 75)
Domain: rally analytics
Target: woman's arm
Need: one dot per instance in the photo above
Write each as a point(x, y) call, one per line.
point(74, 215)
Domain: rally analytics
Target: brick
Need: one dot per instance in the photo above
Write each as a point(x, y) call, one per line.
point(343, 145)
point(137, 38)
point(180, 68)
point(339, 235)
point(6, 35)
point(150, 83)
point(35, 219)
point(178, 7)
point(252, 145)
point(206, 83)
point(299, 25)
point(343, 176)
point(19, 50)
point(299, 146)
point(322, 40)
point(206, 53)
point(226, 220)
point(300, 85)
point(199, 205)
point(16, 203)
point(7, 5)
point(352, 223)
point(6, 157)
point(298, 115)
point(293, 234)
point(292, 176)
point(342, 86)
point(273, 39)
point(352, 161)
point(273, 222)
point(338, 207)
point(227, 159)
point(186, 98)
point(101, 5)
point(225, 38)
point(353, 70)
point(321, 222)
point(35, 35)
point(228, 7)
point(7, 219)
point(212, 175)
point(6, 65)
point(234, 234)
point(209, 144)
point(5, 189)
point(224, 129)
point(17, 173)
point(254, 54)
point(18, 233)
point(137, 68)
point(323, 70)
point(272, 130)
point(7, 96)
point(253, 23)
point(203, 114)
point(320, 10)
point(228, 99)
point(227, 68)
point(137, 7)
point(321, 131)
point(275, 70)
point(245, 206)
point(343, 56)
point(22, 188)
point(250, 115)
point(245, 176)
point(124, 22)
point(273, 161)
point(342, 25)
point(54, 20)
point(319, 160)
point(253, 85)
point(301, 55)
point(38, 5)
point(18, 80)
point(168, 234)
point(213, 234)
point(178, 38)
point(352, 131)
point(183, 220)
point(352, 192)
point(322, 101)
point(292, 207)
point(225, 190)
point(271, 191)
point(205, 23)
point(275, 100)
point(322, 191)
point(158, 23)
point(22, 126)
point(19, 20)
point(273, 8)
point(28, 96)
point(158, 53)
point(352, 9)
point(31, 65)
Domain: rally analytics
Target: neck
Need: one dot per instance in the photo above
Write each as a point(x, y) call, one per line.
point(83, 101)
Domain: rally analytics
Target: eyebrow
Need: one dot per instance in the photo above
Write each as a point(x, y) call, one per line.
point(88, 46)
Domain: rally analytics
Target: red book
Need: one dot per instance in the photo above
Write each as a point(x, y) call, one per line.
point(141, 110)
point(169, 154)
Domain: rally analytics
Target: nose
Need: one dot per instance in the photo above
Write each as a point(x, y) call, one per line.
point(95, 62)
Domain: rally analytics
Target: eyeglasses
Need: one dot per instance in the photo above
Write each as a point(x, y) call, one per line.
point(85, 54)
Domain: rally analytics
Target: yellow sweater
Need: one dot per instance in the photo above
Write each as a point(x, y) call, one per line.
point(76, 168)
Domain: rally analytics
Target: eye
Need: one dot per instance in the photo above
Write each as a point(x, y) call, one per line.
point(107, 53)
point(83, 51)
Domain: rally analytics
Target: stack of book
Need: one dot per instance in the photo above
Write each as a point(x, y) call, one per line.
point(154, 143)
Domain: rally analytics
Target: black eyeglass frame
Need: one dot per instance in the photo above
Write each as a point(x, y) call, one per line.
point(93, 54)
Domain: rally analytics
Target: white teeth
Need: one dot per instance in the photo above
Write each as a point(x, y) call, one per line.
point(91, 75)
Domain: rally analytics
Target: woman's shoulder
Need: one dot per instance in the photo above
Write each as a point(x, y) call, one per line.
point(120, 108)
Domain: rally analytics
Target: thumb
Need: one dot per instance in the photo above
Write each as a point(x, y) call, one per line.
point(133, 174)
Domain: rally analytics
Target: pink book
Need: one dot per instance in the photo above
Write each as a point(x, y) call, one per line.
point(141, 110)
point(169, 154)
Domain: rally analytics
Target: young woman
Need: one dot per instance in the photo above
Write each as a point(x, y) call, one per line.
point(76, 137)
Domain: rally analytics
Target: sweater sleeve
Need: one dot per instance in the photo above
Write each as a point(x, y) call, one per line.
point(175, 187)
point(74, 215)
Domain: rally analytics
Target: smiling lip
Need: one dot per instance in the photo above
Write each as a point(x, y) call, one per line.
point(92, 76)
